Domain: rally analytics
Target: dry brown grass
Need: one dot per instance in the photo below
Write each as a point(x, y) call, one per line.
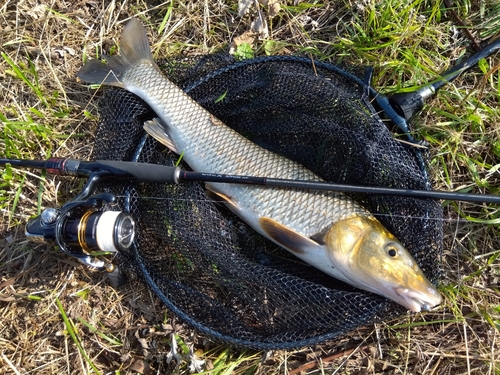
point(461, 337)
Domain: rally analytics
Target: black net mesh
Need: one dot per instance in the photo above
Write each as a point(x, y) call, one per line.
point(213, 270)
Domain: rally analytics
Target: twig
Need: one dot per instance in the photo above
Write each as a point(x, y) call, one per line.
point(312, 364)
point(379, 347)
point(458, 20)
point(466, 347)
point(313, 65)
point(11, 365)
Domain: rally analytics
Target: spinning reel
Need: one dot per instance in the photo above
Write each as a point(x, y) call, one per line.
point(83, 229)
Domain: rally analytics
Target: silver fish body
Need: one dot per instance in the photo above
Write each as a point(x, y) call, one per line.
point(302, 222)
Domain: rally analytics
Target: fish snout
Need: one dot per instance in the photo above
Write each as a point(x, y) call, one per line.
point(417, 301)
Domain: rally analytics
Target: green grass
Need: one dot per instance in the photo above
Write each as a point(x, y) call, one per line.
point(43, 113)
point(71, 330)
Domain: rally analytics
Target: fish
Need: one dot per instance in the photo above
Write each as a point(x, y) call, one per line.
point(328, 230)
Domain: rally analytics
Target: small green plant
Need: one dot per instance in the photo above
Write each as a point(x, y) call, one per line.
point(28, 74)
point(71, 330)
point(244, 51)
point(112, 340)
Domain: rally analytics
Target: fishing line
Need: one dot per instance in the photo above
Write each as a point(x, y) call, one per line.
point(459, 220)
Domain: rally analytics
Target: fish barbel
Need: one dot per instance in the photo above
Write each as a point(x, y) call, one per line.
point(326, 229)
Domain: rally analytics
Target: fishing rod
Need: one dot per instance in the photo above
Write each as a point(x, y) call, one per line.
point(154, 173)
point(87, 225)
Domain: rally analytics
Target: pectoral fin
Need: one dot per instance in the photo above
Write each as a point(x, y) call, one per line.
point(319, 237)
point(286, 237)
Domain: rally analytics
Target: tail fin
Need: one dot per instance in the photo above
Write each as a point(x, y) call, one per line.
point(134, 47)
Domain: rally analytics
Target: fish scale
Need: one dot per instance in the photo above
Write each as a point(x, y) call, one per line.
point(208, 145)
point(324, 228)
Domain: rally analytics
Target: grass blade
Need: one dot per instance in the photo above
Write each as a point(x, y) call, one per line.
point(16, 199)
point(70, 328)
point(19, 74)
point(100, 334)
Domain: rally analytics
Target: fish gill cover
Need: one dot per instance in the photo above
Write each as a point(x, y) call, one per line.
point(213, 270)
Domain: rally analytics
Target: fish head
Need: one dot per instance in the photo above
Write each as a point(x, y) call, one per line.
point(372, 259)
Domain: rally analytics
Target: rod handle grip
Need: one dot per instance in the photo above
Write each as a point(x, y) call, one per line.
point(145, 172)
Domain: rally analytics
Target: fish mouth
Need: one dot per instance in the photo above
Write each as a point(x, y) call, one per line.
point(417, 301)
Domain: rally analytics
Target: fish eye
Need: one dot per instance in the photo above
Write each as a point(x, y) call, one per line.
point(391, 250)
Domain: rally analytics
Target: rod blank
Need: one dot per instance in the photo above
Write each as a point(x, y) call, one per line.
point(166, 174)
point(347, 188)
